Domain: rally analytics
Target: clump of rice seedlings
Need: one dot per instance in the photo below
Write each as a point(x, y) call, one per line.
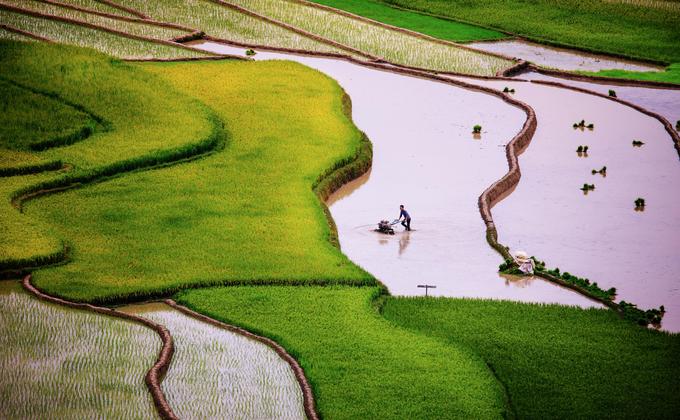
point(612, 93)
point(222, 22)
point(219, 374)
point(582, 125)
point(151, 31)
point(379, 41)
point(508, 90)
point(108, 43)
point(587, 187)
point(639, 204)
point(477, 129)
point(602, 171)
point(250, 52)
point(58, 362)
point(637, 143)
point(582, 151)
point(677, 125)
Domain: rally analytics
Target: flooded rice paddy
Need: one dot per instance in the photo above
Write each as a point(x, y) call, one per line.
point(560, 58)
point(58, 362)
point(219, 374)
point(598, 235)
point(426, 157)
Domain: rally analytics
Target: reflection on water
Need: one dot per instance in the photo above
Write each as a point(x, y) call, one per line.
point(404, 239)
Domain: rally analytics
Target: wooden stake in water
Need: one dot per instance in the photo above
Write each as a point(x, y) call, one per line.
point(427, 287)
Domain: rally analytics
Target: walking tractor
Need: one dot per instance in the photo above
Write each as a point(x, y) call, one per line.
point(385, 227)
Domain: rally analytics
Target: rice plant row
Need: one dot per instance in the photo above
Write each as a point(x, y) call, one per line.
point(219, 374)
point(151, 31)
point(108, 43)
point(383, 42)
point(224, 23)
point(62, 363)
point(98, 6)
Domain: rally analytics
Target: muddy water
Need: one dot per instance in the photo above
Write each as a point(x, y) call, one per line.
point(425, 157)
point(219, 374)
point(599, 235)
point(560, 58)
point(665, 102)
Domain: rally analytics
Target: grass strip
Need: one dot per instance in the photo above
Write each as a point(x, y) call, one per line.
point(557, 361)
point(359, 365)
point(641, 29)
point(428, 25)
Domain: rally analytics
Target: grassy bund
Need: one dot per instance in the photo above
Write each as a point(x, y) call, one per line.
point(645, 29)
point(247, 215)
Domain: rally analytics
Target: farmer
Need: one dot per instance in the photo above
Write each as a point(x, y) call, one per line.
point(407, 218)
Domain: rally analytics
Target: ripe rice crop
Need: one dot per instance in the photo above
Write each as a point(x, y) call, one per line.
point(108, 43)
point(219, 374)
point(149, 123)
point(151, 31)
point(224, 23)
point(63, 363)
point(379, 41)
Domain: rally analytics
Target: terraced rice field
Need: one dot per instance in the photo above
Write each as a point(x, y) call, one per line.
point(221, 22)
point(378, 41)
point(219, 374)
point(151, 31)
point(105, 42)
point(62, 363)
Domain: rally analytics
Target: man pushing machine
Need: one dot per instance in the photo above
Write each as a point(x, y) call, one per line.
point(406, 222)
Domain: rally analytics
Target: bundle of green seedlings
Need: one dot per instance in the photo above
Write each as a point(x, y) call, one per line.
point(639, 202)
point(477, 129)
point(612, 93)
point(250, 52)
point(582, 124)
point(628, 310)
point(582, 149)
point(508, 90)
point(588, 187)
point(637, 143)
point(602, 171)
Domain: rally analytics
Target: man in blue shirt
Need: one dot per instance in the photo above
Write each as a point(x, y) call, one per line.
point(407, 218)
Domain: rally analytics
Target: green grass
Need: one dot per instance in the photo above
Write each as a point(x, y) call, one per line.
point(68, 364)
point(670, 75)
point(381, 42)
point(31, 121)
point(645, 28)
point(556, 361)
point(148, 123)
point(428, 25)
point(359, 365)
point(101, 7)
point(245, 214)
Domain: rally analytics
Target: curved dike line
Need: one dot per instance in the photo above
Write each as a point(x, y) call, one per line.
point(155, 375)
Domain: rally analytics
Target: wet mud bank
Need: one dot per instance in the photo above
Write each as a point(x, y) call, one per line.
point(598, 234)
point(426, 157)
